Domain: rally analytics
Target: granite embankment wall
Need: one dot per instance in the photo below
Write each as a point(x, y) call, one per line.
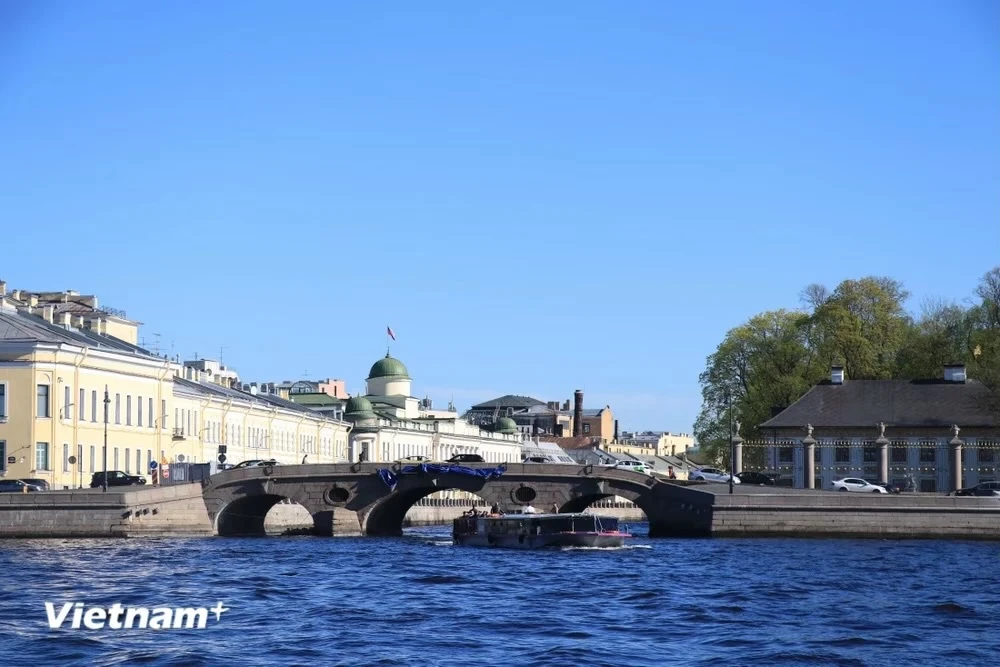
point(132, 511)
point(826, 514)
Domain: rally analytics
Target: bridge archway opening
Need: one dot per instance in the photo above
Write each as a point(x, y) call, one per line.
point(387, 518)
point(440, 507)
point(261, 515)
point(604, 501)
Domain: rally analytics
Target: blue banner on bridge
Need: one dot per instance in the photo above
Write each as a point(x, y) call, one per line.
point(391, 479)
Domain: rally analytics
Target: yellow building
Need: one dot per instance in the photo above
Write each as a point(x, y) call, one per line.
point(61, 373)
point(652, 443)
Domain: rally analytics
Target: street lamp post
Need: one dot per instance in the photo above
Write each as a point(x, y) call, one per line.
point(107, 402)
point(732, 449)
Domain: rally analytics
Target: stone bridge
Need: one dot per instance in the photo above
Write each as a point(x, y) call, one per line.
point(351, 499)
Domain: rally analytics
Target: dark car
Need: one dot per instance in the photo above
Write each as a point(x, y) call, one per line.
point(755, 477)
point(466, 458)
point(42, 484)
point(981, 489)
point(116, 478)
point(536, 459)
point(17, 486)
point(891, 487)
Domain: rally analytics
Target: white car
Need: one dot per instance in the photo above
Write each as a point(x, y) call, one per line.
point(857, 485)
point(635, 466)
point(711, 475)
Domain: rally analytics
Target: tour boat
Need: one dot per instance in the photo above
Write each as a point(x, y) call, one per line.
point(536, 531)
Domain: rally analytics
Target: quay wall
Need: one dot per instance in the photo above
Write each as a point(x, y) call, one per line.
point(827, 514)
point(129, 512)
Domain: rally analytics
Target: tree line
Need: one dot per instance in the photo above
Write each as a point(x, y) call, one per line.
point(772, 359)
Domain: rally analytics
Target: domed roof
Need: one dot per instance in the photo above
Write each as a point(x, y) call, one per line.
point(388, 367)
point(358, 404)
point(505, 425)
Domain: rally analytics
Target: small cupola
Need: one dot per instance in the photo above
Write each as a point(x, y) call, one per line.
point(836, 375)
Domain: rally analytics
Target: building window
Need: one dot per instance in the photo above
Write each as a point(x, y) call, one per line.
point(842, 455)
point(870, 454)
point(118, 410)
point(3, 452)
point(785, 454)
point(79, 457)
point(41, 455)
point(149, 458)
point(65, 457)
point(586, 428)
point(66, 403)
point(138, 413)
point(152, 422)
point(128, 460)
point(899, 453)
point(138, 461)
point(928, 485)
point(93, 458)
point(128, 410)
point(82, 402)
point(116, 459)
point(43, 403)
point(928, 455)
point(93, 406)
point(987, 455)
point(3, 401)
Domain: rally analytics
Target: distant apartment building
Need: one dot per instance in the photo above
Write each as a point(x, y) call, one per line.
point(656, 443)
point(536, 418)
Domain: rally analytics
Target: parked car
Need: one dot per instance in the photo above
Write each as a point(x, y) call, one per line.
point(634, 466)
point(758, 478)
point(466, 458)
point(536, 459)
point(42, 484)
point(856, 485)
point(981, 489)
point(711, 475)
point(116, 478)
point(256, 463)
point(17, 486)
point(891, 487)
point(416, 458)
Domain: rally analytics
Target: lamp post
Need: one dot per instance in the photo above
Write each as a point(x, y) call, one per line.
point(732, 449)
point(107, 402)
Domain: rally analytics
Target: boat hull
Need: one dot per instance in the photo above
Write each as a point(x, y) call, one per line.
point(563, 540)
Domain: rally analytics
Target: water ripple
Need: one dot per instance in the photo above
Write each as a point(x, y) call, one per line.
point(418, 600)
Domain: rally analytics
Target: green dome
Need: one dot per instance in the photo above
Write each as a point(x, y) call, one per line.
point(505, 425)
point(388, 368)
point(357, 408)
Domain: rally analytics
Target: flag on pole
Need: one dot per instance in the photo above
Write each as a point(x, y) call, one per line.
point(388, 330)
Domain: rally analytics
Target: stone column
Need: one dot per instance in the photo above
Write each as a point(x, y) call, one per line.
point(956, 459)
point(737, 454)
point(809, 461)
point(883, 454)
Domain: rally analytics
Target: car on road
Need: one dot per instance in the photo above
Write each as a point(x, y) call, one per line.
point(17, 486)
point(756, 477)
point(711, 475)
point(634, 466)
point(981, 489)
point(856, 485)
point(116, 478)
point(256, 463)
point(891, 487)
point(416, 458)
point(42, 484)
point(466, 458)
point(536, 459)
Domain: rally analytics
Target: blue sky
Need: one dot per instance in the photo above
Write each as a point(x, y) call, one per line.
point(536, 198)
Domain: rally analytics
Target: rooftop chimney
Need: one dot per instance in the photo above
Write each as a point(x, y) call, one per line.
point(578, 412)
point(3, 288)
point(616, 430)
point(837, 375)
point(48, 311)
point(954, 373)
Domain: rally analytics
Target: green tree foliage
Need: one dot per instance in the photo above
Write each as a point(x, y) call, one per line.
point(771, 360)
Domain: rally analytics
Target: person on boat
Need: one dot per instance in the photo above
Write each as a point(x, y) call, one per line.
point(495, 509)
point(555, 508)
point(670, 473)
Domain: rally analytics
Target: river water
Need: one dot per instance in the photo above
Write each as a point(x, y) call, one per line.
point(418, 600)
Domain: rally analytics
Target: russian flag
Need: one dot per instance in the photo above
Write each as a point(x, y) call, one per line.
point(388, 330)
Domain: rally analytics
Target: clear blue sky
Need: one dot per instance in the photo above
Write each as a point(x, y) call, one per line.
point(536, 198)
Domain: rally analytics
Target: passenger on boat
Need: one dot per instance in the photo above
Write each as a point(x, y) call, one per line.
point(555, 508)
point(670, 473)
point(495, 509)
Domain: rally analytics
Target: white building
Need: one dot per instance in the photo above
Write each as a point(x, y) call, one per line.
point(389, 424)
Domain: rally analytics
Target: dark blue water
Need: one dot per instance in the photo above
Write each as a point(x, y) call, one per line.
point(420, 600)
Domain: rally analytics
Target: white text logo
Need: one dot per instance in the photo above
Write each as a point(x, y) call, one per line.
point(117, 617)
